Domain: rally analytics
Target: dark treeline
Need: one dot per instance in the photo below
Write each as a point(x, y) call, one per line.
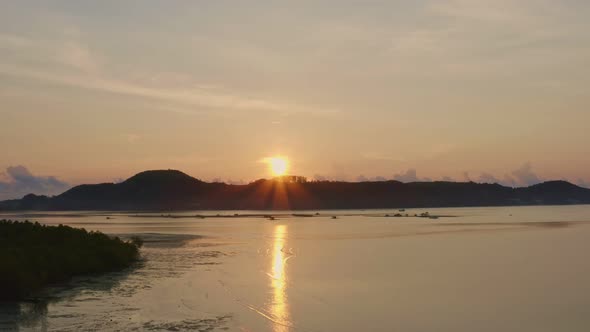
point(34, 255)
point(174, 190)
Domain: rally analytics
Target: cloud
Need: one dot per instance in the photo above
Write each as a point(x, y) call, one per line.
point(83, 70)
point(509, 181)
point(19, 181)
point(408, 176)
point(488, 178)
point(525, 175)
point(490, 38)
point(187, 97)
point(362, 178)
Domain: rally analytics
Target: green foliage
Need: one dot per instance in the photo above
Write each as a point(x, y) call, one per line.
point(34, 255)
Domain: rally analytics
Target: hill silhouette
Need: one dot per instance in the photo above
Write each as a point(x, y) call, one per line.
point(174, 190)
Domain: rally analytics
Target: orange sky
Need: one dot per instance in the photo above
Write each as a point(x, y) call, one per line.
point(482, 90)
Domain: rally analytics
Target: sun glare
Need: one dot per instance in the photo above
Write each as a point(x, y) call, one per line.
point(278, 165)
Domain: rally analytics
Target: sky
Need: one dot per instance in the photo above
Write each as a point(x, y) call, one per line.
point(463, 90)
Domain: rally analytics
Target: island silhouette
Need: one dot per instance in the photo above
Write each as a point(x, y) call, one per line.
point(175, 190)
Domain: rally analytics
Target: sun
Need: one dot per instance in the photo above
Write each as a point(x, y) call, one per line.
point(278, 165)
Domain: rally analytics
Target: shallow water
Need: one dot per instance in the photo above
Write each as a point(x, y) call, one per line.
point(477, 269)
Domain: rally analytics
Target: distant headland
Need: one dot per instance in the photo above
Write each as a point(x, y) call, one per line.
point(175, 190)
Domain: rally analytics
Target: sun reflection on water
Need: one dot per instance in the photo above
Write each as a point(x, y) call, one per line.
point(279, 305)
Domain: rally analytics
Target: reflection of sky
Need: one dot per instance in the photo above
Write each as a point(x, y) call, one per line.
point(278, 307)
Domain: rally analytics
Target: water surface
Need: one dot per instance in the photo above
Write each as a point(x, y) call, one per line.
point(474, 269)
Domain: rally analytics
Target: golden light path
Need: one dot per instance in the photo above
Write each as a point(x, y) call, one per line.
point(279, 306)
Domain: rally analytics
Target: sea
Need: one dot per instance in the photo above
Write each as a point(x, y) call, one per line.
point(446, 269)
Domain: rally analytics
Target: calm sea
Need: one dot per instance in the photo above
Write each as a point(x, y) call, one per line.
point(472, 269)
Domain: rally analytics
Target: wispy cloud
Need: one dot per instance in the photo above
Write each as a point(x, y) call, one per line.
point(472, 38)
point(83, 70)
point(183, 98)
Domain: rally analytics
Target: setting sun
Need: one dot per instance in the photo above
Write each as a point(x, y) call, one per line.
point(278, 165)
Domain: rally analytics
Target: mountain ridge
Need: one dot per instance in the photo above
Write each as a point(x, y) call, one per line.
point(175, 190)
